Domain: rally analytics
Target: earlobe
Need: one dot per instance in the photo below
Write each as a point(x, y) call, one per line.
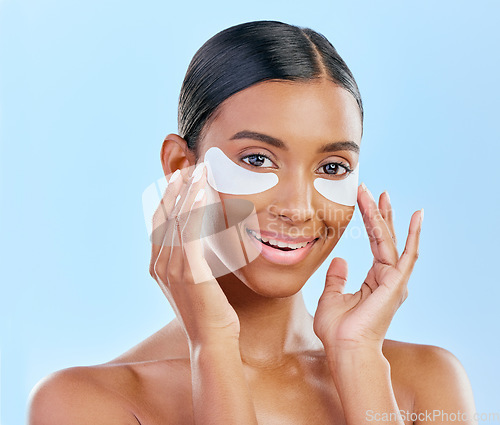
point(175, 154)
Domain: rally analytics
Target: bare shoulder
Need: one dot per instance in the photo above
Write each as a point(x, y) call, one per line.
point(125, 393)
point(420, 362)
point(437, 378)
point(144, 383)
point(80, 395)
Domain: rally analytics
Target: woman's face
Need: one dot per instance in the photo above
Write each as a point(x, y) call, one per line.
point(289, 129)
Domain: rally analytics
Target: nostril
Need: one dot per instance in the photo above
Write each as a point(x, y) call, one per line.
point(285, 217)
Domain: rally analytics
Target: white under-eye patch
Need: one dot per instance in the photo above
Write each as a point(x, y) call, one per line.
point(227, 177)
point(343, 191)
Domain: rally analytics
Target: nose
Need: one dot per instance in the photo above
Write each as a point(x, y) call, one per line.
point(293, 198)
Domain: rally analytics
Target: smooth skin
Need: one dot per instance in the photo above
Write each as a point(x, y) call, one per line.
point(243, 349)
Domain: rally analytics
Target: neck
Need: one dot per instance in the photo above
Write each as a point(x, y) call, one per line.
point(271, 329)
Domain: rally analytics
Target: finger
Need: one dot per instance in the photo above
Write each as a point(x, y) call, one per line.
point(336, 276)
point(365, 291)
point(196, 182)
point(192, 228)
point(168, 263)
point(172, 254)
point(193, 249)
point(179, 217)
point(381, 242)
point(165, 206)
point(410, 253)
point(385, 208)
point(362, 294)
point(187, 180)
point(175, 216)
point(192, 211)
point(161, 214)
point(373, 243)
point(370, 280)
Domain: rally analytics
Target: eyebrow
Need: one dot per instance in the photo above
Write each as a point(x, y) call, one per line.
point(273, 141)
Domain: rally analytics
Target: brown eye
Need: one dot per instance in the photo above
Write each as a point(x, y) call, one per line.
point(257, 160)
point(335, 168)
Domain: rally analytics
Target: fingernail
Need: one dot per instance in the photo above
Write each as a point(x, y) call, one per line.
point(199, 195)
point(198, 172)
point(174, 176)
point(421, 215)
point(387, 194)
point(365, 189)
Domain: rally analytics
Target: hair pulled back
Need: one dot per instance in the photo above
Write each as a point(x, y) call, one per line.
point(245, 54)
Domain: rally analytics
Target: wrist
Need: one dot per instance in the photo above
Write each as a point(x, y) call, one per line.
point(215, 344)
point(355, 357)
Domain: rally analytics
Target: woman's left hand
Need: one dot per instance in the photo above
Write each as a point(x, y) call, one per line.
point(360, 321)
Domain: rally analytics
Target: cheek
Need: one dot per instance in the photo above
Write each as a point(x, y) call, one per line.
point(225, 220)
point(336, 217)
point(239, 209)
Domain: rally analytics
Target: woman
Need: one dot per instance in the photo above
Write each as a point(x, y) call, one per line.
point(271, 117)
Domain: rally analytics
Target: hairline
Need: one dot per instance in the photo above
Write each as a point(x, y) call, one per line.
point(312, 80)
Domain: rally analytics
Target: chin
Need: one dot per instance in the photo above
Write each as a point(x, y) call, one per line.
point(271, 283)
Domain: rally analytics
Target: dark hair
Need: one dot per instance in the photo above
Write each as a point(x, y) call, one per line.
point(245, 54)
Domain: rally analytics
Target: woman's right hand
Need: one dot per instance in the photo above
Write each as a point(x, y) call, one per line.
point(179, 267)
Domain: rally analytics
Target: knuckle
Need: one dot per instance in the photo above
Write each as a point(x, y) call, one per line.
point(378, 232)
point(159, 269)
point(382, 239)
point(173, 273)
point(152, 270)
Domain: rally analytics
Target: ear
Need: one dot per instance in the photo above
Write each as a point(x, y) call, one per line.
point(175, 154)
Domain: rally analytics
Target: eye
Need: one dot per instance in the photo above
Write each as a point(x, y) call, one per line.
point(336, 169)
point(257, 160)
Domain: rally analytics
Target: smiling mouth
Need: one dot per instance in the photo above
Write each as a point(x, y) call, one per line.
point(279, 245)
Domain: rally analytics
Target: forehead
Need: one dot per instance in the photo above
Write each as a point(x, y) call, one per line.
point(293, 111)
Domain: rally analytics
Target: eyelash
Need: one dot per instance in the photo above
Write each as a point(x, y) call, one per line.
point(254, 155)
point(344, 166)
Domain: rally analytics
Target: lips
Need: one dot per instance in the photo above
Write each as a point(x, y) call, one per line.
point(282, 249)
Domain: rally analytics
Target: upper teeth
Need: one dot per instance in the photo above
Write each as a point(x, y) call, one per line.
point(278, 243)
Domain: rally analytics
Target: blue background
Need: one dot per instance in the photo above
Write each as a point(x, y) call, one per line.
point(89, 89)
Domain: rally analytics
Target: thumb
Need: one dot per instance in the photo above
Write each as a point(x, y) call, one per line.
point(336, 276)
